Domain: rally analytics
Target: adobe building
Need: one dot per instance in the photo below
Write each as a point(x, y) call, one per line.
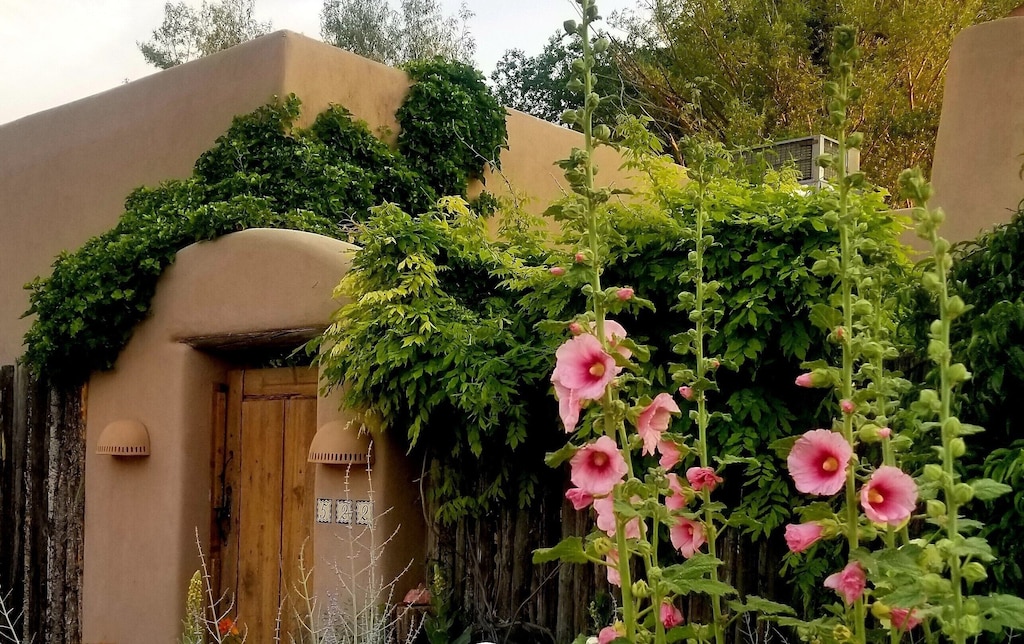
point(183, 436)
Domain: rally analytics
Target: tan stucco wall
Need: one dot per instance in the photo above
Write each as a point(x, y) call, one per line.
point(142, 512)
point(64, 173)
point(976, 173)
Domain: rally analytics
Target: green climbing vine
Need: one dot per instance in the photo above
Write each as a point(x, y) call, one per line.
point(263, 172)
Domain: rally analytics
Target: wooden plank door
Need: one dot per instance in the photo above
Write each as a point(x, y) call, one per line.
point(263, 493)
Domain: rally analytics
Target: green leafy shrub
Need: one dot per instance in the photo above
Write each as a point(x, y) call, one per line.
point(263, 172)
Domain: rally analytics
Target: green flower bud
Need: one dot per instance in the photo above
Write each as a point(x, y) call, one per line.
point(601, 45)
point(935, 508)
point(932, 472)
point(971, 606)
point(575, 85)
point(962, 493)
point(931, 559)
point(641, 589)
point(602, 546)
point(569, 117)
point(973, 572)
point(579, 65)
point(955, 307)
point(880, 610)
point(934, 584)
point(842, 634)
point(569, 26)
point(957, 447)
point(862, 307)
point(971, 625)
point(958, 373)
point(855, 140)
point(931, 281)
point(603, 132)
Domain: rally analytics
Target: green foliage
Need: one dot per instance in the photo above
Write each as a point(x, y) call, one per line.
point(432, 342)
point(450, 108)
point(187, 33)
point(988, 275)
point(263, 172)
point(419, 30)
point(743, 72)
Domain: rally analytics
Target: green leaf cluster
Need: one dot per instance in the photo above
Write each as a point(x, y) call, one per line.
point(263, 172)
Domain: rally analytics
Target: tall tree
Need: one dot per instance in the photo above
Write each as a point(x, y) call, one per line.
point(745, 72)
point(537, 85)
point(186, 33)
point(748, 71)
point(419, 30)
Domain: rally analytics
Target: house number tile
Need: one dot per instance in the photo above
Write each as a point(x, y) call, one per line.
point(344, 511)
point(323, 510)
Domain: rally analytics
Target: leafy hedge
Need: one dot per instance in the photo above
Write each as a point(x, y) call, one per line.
point(447, 339)
point(263, 172)
point(989, 275)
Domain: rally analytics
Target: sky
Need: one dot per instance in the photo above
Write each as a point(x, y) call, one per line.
point(57, 51)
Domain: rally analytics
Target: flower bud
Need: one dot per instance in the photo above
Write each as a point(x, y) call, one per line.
point(569, 26)
point(569, 117)
point(625, 293)
point(575, 328)
point(957, 447)
point(962, 493)
point(842, 634)
point(602, 546)
point(973, 572)
point(847, 406)
point(601, 45)
point(603, 132)
point(935, 508)
point(557, 271)
point(869, 433)
point(641, 589)
point(580, 258)
point(687, 392)
point(932, 472)
point(814, 379)
point(884, 432)
point(880, 610)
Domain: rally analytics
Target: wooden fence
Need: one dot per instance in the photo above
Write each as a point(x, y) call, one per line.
point(42, 505)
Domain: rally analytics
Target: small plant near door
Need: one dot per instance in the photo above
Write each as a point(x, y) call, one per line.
point(208, 617)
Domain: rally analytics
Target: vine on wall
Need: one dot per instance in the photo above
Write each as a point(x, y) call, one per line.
point(263, 172)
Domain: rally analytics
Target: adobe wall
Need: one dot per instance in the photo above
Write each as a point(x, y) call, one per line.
point(66, 171)
point(142, 512)
point(979, 148)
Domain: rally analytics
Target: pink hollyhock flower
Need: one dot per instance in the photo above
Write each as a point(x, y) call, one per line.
point(889, 496)
point(702, 477)
point(885, 432)
point(597, 467)
point(676, 499)
point(614, 333)
point(653, 420)
point(605, 508)
point(848, 582)
point(582, 365)
point(579, 498)
point(687, 536)
point(687, 393)
point(609, 634)
point(569, 406)
point(847, 407)
point(557, 271)
point(904, 619)
point(803, 536)
point(805, 380)
point(624, 293)
point(670, 615)
point(575, 328)
point(669, 454)
point(612, 559)
point(818, 462)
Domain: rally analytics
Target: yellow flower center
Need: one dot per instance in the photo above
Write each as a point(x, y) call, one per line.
point(874, 496)
point(830, 464)
point(600, 459)
point(597, 369)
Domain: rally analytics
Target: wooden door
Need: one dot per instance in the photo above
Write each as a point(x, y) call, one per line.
point(263, 493)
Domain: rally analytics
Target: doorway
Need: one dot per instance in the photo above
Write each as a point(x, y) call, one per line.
point(263, 496)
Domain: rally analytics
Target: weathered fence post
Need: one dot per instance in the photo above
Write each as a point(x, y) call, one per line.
point(42, 456)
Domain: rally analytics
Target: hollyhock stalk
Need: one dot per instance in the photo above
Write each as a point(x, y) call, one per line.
point(710, 529)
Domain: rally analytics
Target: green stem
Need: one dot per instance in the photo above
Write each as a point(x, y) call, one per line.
point(711, 531)
point(846, 285)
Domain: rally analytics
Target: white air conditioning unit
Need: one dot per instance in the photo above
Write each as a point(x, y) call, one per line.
point(803, 154)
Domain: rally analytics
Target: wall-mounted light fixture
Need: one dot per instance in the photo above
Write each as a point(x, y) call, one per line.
point(124, 438)
point(340, 443)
